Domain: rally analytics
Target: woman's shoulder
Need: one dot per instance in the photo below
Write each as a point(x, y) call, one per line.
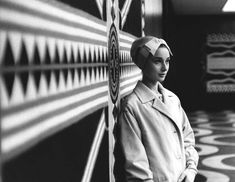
point(129, 101)
point(172, 94)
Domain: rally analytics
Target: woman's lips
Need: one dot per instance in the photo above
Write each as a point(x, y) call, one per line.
point(162, 75)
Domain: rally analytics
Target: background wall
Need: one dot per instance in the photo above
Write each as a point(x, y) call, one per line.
point(187, 37)
point(153, 18)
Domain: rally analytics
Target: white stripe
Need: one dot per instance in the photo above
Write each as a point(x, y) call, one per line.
point(62, 14)
point(125, 37)
point(9, 16)
point(126, 45)
point(124, 89)
point(134, 79)
point(100, 6)
point(26, 116)
point(127, 89)
point(94, 149)
point(16, 140)
point(125, 11)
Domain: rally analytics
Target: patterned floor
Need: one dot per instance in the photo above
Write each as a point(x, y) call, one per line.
point(215, 142)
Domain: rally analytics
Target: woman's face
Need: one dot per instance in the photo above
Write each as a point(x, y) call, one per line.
point(157, 66)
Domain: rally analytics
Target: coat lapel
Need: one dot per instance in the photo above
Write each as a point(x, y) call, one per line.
point(167, 108)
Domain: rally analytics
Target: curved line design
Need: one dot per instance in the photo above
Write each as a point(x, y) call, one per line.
point(217, 162)
point(210, 130)
point(221, 45)
point(221, 80)
point(202, 132)
point(220, 53)
point(206, 149)
point(212, 139)
point(214, 176)
point(221, 73)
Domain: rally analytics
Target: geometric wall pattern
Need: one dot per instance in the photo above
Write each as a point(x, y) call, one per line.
point(215, 132)
point(54, 70)
point(220, 63)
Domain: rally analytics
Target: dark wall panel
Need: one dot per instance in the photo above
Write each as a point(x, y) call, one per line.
point(62, 157)
point(187, 36)
point(133, 19)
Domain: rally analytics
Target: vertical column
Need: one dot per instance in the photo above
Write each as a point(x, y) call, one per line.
point(114, 75)
point(0, 148)
point(142, 17)
point(0, 120)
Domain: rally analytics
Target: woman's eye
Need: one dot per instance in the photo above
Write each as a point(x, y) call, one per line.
point(157, 61)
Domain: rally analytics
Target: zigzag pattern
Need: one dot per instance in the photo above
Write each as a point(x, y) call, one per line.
point(37, 66)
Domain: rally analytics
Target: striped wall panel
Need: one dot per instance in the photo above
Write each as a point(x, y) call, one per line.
point(54, 70)
point(129, 72)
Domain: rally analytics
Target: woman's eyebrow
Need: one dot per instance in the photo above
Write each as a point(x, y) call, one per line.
point(157, 57)
point(168, 58)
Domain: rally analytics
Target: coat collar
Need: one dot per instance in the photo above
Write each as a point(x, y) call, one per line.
point(143, 92)
point(167, 108)
point(146, 95)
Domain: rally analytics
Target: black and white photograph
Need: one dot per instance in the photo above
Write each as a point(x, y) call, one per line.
point(117, 90)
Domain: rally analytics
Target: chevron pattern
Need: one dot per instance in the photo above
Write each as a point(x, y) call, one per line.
point(36, 67)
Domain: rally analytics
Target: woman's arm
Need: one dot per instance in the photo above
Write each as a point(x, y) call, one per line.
point(136, 161)
point(189, 143)
point(190, 152)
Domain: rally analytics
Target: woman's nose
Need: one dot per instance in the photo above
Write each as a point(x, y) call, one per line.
point(164, 67)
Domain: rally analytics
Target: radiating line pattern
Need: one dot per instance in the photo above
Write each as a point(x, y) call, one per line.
point(94, 149)
point(53, 65)
point(215, 143)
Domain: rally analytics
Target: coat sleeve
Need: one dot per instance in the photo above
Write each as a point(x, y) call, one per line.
point(189, 144)
point(136, 161)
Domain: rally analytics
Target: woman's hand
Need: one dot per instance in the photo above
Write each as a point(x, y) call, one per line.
point(187, 176)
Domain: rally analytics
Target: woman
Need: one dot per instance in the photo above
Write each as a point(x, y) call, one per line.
point(155, 134)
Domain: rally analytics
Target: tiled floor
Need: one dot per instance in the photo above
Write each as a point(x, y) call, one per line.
point(215, 142)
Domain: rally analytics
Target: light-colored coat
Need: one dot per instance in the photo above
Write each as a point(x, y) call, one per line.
point(156, 137)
